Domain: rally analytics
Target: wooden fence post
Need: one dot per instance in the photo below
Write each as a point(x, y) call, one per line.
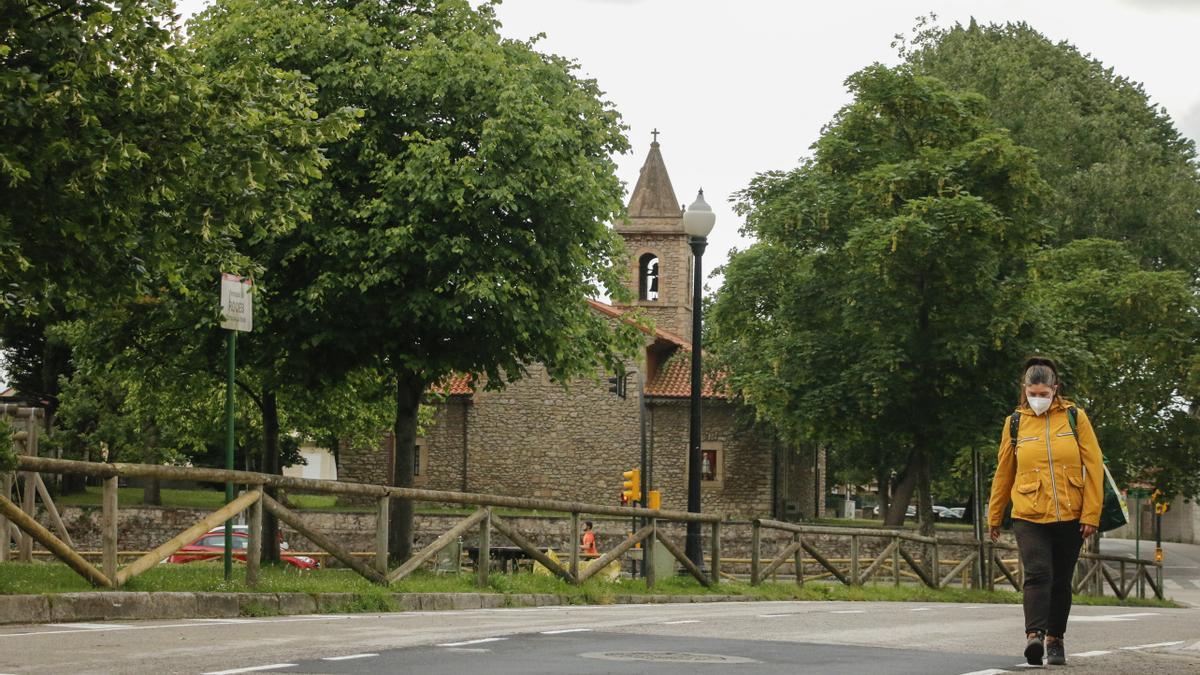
point(896, 559)
point(381, 535)
point(483, 561)
point(254, 542)
point(854, 580)
point(108, 528)
point(936, 568)
point(6, 482)
point(799, 558)
point(648, 553)
point(755, 552)
point(573, 567)
point(715, 563)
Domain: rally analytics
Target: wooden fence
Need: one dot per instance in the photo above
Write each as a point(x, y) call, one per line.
point(919, 553)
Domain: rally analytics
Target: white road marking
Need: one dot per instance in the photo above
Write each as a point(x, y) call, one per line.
point(772, 616)
point(471, 650)
point(348, 658)
point(1153, 645)
point(471, 642)
point(231, 620)
point(272, 666)
point(1028, 665)
point(1109, 618)
point(566, 630)
point(672, 623)
point(1098, 652)
point(849, 611)
point(989, 671)
point(90, 626)
point(921, 609)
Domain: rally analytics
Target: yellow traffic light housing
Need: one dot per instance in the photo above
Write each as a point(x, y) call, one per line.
point(631, 488)
point(655, 499)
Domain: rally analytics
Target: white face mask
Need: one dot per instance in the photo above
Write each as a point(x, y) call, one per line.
point(1039, 404)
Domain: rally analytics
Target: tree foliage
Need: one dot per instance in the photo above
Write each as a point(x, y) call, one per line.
point(1114, 295)
point(880, 286)
point(465, 223)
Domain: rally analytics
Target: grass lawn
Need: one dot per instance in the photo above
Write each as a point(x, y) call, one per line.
point(37, 578)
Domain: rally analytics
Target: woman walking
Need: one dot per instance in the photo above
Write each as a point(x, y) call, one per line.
point(1050, 468)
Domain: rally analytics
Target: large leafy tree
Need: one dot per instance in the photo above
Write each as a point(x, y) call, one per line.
point(463, 227)
point(1118, 302)
point(878, 294)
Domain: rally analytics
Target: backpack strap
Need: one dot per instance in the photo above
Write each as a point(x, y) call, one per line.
point(1014, 429)
point(1071, 413)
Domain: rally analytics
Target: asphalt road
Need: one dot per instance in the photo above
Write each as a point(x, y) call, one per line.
point(742, 637)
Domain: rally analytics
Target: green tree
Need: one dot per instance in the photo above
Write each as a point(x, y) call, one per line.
point(120, 157)
point(879, 291)
point(1115, 296)
point(463, 227)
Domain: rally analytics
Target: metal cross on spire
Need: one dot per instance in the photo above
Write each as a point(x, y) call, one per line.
point(655, 133)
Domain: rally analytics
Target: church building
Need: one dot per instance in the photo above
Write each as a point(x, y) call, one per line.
point(536, 438)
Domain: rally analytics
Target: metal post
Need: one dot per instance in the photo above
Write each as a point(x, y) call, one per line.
point(693, 500)
point(645, 447)
point(977, 514)
point(1158, 551)
point(1137, 538)
point(798, 559)
point(229, 440)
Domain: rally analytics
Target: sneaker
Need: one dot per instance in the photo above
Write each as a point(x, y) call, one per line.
point(1056, 653)
point(1034, 650)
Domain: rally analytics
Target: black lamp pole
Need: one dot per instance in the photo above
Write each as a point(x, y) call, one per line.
point(693, 549)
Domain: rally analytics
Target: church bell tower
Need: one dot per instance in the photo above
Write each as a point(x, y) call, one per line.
point(660, 260)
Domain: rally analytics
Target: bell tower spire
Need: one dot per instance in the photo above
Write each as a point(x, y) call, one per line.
point(659, 258)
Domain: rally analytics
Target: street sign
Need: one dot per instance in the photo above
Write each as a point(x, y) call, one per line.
point(236, 303)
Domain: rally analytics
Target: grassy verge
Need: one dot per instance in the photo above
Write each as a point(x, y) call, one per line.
point(40, 578)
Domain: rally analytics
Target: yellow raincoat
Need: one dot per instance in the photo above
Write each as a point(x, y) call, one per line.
point(1051, 477)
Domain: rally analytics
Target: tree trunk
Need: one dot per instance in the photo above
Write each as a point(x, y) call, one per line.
point(883, 477)
point(152, 490)
point(409, 387)
point(902, 491)
point(270, 464)
point(924, 497)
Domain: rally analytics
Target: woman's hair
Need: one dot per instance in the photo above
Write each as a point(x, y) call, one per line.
point(1039, 370)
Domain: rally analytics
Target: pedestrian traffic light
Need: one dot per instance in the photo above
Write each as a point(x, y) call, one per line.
point(631, 489)
point(616, 385)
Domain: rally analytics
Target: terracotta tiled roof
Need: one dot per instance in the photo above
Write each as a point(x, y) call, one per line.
point(674, 377)
point(456, 384)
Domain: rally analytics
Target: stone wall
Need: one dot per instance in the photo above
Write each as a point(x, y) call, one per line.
point(672, 311)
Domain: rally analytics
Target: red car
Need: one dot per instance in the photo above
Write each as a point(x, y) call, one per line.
point(211, 546)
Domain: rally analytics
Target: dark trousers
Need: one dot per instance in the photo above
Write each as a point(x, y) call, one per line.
point(1049, 553)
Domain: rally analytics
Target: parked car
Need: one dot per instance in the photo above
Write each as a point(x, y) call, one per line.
point(211, 546)
point(957, 512)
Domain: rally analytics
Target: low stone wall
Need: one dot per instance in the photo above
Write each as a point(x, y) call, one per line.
point(142, 528)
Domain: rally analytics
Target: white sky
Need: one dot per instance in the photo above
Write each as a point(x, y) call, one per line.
point(737, 88)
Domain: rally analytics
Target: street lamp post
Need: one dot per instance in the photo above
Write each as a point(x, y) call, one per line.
point(698, 221)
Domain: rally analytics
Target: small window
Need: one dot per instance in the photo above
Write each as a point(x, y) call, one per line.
point(421, 463)
point(708, 465)
point(648, 277)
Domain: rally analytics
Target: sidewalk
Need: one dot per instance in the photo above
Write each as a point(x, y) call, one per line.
point(1181, 566)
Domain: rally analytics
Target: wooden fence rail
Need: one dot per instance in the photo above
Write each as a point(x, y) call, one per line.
point(919, 553)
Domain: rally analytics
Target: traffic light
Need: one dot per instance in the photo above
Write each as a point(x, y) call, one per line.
point(631, 489)
point(616, 385)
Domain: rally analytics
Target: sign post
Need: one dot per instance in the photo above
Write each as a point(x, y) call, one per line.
point(236, 315)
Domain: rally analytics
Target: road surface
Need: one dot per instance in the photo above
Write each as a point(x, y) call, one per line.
point(718, 638)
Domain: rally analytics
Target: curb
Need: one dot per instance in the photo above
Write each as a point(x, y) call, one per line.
point(118, 605)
